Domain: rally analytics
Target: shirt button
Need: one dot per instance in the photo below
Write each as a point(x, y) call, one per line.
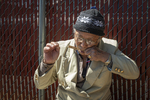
point(119, 70)
point(122, 71)
point(116, 69)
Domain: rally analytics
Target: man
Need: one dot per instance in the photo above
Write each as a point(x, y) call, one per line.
point(84, 71)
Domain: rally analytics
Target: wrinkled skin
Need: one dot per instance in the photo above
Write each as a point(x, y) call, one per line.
point(92, 50)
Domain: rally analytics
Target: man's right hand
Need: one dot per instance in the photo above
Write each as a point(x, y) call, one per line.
point(51, 52)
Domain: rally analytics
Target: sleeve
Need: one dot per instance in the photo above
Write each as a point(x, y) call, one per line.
point(124, 66)
point(109, 67)
point(44, 68)
point(46, 79)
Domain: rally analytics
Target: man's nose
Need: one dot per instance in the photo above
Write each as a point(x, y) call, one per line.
point(83, 44)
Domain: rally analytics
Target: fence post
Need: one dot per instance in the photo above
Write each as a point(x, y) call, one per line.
point(41, 38)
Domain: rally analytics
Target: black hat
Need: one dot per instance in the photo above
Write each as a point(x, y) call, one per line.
point(90, 21)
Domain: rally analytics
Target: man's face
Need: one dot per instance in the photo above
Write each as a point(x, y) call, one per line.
point(85, 40)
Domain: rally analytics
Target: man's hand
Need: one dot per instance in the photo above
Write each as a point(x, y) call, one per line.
point(51, 52)
point(97, 54)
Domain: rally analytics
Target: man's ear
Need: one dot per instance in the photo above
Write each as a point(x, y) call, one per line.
point(100, 37)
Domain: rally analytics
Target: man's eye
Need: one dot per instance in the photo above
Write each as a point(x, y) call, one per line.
point(90, 41)
point(80, 38)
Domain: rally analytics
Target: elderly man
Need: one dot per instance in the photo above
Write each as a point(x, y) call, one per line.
point(84, 65)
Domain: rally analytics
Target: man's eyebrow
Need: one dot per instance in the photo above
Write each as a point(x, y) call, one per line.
point(87, 38)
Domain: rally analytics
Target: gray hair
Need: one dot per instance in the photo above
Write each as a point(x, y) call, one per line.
point(74, 30)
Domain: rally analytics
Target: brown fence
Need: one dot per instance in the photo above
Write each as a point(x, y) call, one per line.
point(126, 21)
point(19, 49)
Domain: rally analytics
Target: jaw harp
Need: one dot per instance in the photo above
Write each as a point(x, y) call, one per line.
point(72, 47)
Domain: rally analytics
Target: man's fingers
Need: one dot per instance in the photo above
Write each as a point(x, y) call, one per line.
point(91, 50)
point(55, 44)
point(88, 51)
point(51, 46)
point(46, 49)
point(57, 48)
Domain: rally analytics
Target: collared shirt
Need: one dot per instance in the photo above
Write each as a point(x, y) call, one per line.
point(81, 71)
point(81, 77)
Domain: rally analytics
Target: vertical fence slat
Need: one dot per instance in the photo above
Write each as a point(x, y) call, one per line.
point(80, 6)
point(36, 23)
point(148, 51)
point(32, 51)
point(71, 20)
point(115, 37)
point(102, 7)
point(93, 3)
point(24, 52)
point(20, 50)
point(124, 42)
point(129, 47)
point(138, 45)
point(110, 20)
point(47, 26)
point(55, 39)
point(124, 26)
point(143, 51)
point(120, 24)
point(17, 50)
point(134, 46)
point(58, 34)
point(32, 48)
point(28, 50)
point(110, 29)
point(115, 21)
point(106, 18)
point(51, 19)
point(88, 4)
point(97, 4)
point(9, 33)
point(15, 47)
point(75, 10)
point(84, 4)
point(63, 17)
point(47, 20)
point(55, 19)
point(1, 60)
point(1, 50)
point(67, 19)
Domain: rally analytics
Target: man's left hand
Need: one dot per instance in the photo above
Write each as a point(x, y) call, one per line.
point(96, 54)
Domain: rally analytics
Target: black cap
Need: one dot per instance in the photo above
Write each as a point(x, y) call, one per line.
point(90, 21)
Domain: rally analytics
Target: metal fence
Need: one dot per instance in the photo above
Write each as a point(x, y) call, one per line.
point(126, 21)
point(18, 49)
